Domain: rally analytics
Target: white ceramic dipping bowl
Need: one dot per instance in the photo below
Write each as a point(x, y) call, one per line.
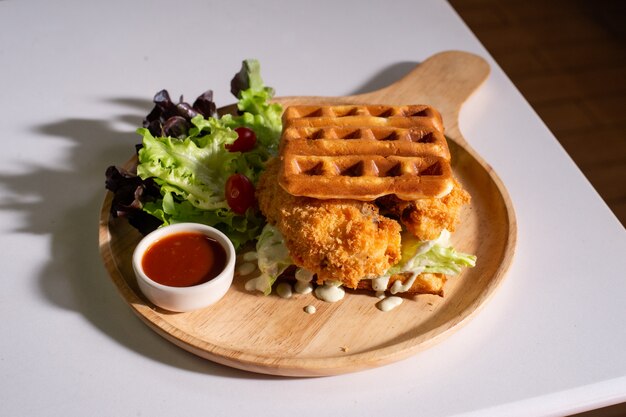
point(182, 299)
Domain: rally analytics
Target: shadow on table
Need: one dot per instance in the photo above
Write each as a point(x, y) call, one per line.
point(387, 76)
point(65, 204)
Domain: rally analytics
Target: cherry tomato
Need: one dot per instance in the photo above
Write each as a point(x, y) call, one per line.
point(246, 139)
point(239, 193)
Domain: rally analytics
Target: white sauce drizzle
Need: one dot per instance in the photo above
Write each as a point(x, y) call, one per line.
point(246, 268)
point(304, 275)
point(310, 309)
point(398, 286)
point(380, 283)
point(250, 256)
point(330, 292)
point(259, 283)
point(302, 287)
point(251, 284)
point(284, 290)
point(303, 281)
point(389, 303)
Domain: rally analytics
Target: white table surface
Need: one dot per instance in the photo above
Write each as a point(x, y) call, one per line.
point(76, 79)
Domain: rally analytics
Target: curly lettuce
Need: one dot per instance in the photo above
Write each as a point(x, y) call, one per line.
point(192, 169)
point(256, 112)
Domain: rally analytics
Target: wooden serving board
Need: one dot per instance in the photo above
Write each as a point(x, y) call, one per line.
point(275, 336)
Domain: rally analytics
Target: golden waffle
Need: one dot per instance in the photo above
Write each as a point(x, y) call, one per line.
point(364, 152)
point(364, 115)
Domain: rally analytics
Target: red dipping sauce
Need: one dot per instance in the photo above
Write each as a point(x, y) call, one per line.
point(184, 259)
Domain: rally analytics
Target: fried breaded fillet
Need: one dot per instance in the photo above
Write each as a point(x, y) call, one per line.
point(339, 240)
point(427, 217)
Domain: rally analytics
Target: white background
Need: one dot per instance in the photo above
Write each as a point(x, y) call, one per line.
point(76, 79)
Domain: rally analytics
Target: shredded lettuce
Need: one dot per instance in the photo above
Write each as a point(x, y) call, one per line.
point(273, 258)
point(191, 170)
point(435, 256)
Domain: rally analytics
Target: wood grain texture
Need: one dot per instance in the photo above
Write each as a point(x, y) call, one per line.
point(275, 336)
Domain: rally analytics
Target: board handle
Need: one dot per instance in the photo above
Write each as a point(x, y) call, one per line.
point(444, 80)
point(451, 75)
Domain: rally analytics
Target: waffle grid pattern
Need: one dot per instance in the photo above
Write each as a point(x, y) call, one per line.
point(364, 152)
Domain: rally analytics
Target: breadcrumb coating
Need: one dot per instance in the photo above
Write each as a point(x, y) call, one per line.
point(349, 240)
point(339, 240)
point(427, 217)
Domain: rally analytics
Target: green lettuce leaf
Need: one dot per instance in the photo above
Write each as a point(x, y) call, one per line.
point(256, 110)
point(435, 256)
point(192, 171)
point(273, 258)
point(249, 78)
point(192, 175)
point(267, 125)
